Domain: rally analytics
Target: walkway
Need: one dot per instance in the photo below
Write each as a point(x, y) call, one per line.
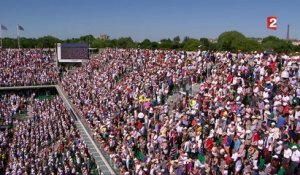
point(101, 160)
point(103, 165)
point(27, 87)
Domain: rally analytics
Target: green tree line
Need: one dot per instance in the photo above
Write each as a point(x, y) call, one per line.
point(232, 41)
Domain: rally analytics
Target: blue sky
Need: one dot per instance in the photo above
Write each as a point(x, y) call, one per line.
point(153, 19)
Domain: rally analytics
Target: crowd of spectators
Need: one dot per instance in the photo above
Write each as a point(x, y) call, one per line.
point(10, 105)
point(46, 141)
point(244, 118)
point(27, 67)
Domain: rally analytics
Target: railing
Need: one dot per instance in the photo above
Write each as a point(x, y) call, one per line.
point(87, 127)
point(186, 85)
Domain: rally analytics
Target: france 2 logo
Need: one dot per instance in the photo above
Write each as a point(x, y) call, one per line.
point(272, 22)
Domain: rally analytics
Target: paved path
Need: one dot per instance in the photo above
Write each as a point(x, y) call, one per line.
point(101, 161)
point(27, 87)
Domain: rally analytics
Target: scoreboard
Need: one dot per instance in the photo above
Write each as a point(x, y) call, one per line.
point(72, 52)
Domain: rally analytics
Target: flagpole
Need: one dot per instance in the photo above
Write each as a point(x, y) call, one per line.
point(1, 36)
point(18, 36)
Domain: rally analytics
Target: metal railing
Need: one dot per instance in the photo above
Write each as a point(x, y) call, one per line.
point(87, 127)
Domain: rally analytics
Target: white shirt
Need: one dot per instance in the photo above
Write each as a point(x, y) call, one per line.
point(286, 98)
point(277, 79)
point(278, 149)
point(287, 153)
point(295, 156)
point(266, 95)
point(187, 146)
point(238, 165)
point(239, 90)
point(235, 156)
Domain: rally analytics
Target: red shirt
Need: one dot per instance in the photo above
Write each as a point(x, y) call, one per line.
point(286, 109)
point(273, 66)
point(229, 79)
point(209, 144)
point(255, 137)
point(228, 160)
point(140, 125)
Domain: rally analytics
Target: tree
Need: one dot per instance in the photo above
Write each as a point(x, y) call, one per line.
point(278, 45)
point(154, 45)
point(10, 43)
point(47, 42)
point(166, 44)
point(99, 44)
point(231, 41)
point(146, 44)
point(251, 45)
point(176, 42)
point(87, 39)
point(204, 42)
point(190, 44)
point(176, 39)
point(28, 42)
point(126, 42)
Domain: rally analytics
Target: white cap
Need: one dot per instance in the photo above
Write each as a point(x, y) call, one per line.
point(273, 123)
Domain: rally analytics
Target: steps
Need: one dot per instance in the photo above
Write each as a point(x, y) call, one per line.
point(101, 159)
point(100, 163)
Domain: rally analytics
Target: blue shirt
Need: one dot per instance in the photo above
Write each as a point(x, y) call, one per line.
point(280, 122)
point(237, 144)
point(229, 141)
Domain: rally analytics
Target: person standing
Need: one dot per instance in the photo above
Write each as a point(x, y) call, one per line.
point(295, 160)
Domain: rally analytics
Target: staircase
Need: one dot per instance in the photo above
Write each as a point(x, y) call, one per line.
point(100, 157)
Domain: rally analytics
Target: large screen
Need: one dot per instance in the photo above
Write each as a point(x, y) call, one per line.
point(74, 51)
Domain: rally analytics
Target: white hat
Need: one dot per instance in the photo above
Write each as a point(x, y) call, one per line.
point(280, 142)
point(222, 151)
point(248, 131)
point(275, 156)
point(294, 147)
point(273, 123)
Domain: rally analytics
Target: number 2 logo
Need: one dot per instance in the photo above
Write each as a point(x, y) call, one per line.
point(272, 22)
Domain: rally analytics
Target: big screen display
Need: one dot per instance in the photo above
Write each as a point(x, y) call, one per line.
point(74, 51)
